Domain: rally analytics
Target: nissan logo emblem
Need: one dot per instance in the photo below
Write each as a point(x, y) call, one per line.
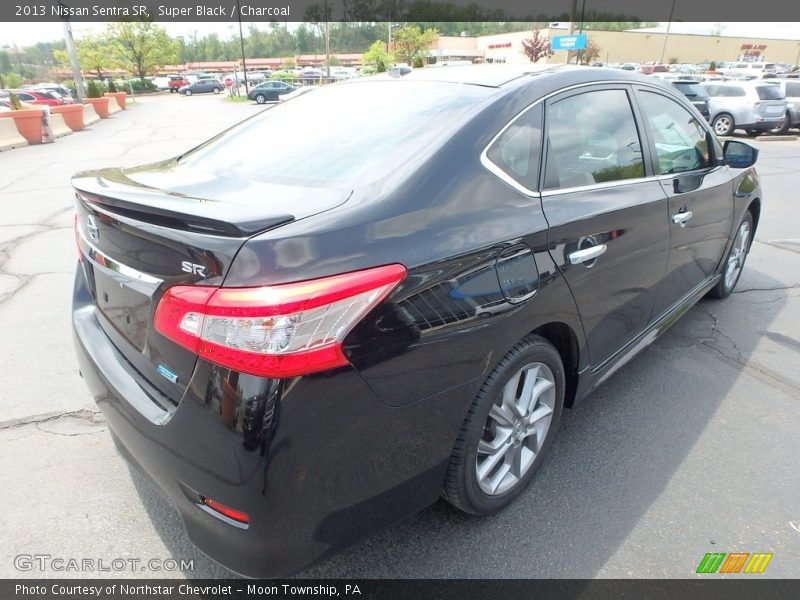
point(91, 229)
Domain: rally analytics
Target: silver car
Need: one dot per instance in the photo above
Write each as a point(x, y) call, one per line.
point(790, 88)
point(755, 106)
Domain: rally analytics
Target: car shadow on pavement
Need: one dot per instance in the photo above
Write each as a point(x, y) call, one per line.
point(614, 455)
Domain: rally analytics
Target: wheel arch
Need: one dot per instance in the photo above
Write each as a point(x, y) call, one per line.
point(565, 340)
point(755, 209)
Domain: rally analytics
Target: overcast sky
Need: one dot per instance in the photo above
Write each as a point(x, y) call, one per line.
point(24, 34)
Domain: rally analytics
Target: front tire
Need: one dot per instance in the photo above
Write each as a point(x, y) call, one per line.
point(188, 92)
point(261, 99)
point(734, 262)
point(723, 124)
point(508, 429)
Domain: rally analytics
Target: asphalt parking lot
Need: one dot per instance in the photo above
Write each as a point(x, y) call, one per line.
point(691, 448)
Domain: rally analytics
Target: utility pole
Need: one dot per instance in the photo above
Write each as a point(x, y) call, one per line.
point(73, 59)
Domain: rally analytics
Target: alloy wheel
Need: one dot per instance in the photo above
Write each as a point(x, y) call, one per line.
point(516, 429)
point(738, 254)
point(722, 125)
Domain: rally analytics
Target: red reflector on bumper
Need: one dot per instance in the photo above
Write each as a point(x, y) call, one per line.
point(227, 511)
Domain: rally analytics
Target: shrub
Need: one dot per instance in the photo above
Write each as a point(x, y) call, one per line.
point(111, 87)
point(418, 62)
point(143, 85)
point(712, 66)
point(92, 90)
point(13, 99)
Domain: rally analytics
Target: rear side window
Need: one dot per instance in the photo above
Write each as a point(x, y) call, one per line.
point(681, 142)
point(793, 89)
point(769, 92)
point(516, 151)
point(592, 138)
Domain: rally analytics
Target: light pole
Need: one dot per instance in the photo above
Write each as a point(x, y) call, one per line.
point(241, 41)
point(327, 42)
point(73, 58)
point(666, 35)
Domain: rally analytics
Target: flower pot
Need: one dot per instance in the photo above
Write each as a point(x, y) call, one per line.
point(28, 122)
point(100, 106)
point(120, 96)
point(72, 113)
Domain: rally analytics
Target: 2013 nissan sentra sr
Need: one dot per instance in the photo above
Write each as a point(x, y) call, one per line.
point(302, 342)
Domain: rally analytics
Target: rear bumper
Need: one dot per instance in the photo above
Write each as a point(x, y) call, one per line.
point(317, 462)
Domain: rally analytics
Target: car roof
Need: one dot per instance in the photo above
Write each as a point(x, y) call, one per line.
point(489, 75)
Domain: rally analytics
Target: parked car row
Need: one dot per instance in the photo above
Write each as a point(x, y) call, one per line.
point(44, 94)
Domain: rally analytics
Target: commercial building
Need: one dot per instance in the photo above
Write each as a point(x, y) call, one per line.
point(621, 47)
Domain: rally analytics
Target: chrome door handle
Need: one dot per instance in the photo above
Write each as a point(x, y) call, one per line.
point(682, 218)
point(587, 254)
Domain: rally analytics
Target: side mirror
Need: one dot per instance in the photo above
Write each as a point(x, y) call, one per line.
point(739, 155)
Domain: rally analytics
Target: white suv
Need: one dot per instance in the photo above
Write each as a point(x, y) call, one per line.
point(755, 106)
point(790, 88)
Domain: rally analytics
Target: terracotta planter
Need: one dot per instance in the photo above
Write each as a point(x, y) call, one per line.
point(28, 122)
point(100, 106)
point(120, 96)
point(72, 113)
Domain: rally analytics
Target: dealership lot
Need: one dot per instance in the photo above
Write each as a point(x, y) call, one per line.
point(689, 449)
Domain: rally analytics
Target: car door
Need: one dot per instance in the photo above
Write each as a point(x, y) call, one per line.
point(606, 213)
point(688, 164)
point(273, 90)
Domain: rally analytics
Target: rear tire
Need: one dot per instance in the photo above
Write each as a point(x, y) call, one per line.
point(217, 90)
point(754, 132)
point(734, 261)
point(783, 127)
point(508, 429)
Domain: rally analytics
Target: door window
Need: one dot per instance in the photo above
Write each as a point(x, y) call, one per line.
point(681, 142)
point(592, 138)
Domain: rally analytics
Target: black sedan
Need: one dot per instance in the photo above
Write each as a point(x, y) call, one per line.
point(203, 86)
point(301, 343)
point(269, 91)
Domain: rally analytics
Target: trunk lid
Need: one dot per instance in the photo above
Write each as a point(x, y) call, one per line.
point(147, 229)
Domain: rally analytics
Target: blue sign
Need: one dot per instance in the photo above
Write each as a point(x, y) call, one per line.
point(568, 42)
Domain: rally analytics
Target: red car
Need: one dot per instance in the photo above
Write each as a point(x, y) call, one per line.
point(43, 97)
point(176, 82)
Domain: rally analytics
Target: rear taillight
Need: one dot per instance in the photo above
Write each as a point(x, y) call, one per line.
point(274, 331)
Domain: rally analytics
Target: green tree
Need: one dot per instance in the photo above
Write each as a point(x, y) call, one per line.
point(142, 46)
point(377, 58)
point(411, 42)
point(94, 54)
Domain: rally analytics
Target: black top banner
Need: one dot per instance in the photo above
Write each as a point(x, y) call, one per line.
point(401, 10)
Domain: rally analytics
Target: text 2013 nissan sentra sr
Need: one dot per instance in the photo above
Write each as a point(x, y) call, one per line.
point(302, 342)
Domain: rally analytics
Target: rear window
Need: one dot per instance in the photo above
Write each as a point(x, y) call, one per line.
point(769, 92)
point(337, 132)
point(694, 91)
